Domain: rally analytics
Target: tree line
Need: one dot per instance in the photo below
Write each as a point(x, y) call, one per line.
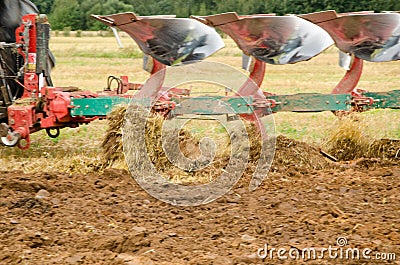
point(75, 14)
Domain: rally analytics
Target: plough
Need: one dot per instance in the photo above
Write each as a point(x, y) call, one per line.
point(169, 41)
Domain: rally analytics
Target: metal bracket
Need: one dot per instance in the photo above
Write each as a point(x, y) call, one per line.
point(384, 100)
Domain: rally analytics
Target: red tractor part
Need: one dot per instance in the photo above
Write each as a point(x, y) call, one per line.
point(40, 106)
point(167, 40)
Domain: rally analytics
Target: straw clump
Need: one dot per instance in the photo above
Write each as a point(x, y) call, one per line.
point(349, 140)
point(156, 142)
point(112, 144)
point(292, 153)
point(288, 152)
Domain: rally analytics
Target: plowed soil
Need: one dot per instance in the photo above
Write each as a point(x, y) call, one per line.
point(106, 218)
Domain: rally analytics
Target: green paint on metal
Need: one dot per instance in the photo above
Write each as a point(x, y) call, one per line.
point(215, 105)
point(91, 107)
point(303, 102)
point(382, 100)
point(311, 102)
point(101, 106)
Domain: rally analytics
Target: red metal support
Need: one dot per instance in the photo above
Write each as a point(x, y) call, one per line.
point(252, 86)
point(26, 34)
point(351, 78)
point(21, 119)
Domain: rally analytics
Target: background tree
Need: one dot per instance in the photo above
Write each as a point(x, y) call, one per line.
point(76, 14)
point(65, 13)
point(90, 7)
point(44, 5)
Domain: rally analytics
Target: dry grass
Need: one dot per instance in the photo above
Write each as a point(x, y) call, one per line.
point(112, 142)
point(351, 139)
point(74, 151)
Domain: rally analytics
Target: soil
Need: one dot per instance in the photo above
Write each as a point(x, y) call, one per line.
point(106, 218)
